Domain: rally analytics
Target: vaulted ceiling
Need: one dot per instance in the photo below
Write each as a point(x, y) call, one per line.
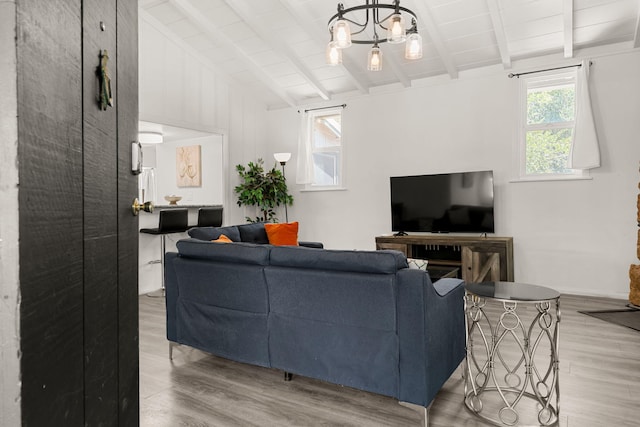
point(276, 48)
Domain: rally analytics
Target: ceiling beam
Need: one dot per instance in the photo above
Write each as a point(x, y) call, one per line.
point(567, 12)
point(208, 27)
point(220, 74)
point(243, 10)
point(179, 41)
point(425, 21)
point(397, 70)
point(636, 37)
point(498, 30)
point(304, 18)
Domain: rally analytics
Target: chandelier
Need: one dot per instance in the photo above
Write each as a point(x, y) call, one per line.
point(378, 22)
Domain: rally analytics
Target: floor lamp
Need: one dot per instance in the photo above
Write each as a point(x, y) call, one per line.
point(283, 158)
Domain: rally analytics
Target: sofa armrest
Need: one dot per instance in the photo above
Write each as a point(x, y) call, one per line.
point(317, 245)
point(446, 285)
point(431, 330)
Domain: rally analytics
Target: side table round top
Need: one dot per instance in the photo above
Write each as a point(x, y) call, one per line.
point(512, 291)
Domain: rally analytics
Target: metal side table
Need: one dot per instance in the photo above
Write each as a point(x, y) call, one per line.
point(511, 369)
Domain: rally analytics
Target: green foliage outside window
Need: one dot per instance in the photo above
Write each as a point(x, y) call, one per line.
point(548, 151)
point(550, 121)
point(551, 105)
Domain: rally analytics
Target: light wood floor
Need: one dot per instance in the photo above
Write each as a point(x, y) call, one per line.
point(599, 383)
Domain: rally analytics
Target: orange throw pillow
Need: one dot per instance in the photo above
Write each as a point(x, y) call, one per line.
point(223, 239)
point(285, 234)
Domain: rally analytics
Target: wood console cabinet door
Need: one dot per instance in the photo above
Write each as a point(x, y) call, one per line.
point(486, 263)
point(480, 266)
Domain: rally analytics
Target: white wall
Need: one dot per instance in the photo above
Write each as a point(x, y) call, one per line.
point(9, 262)
point(178, 87)
point(211, 192)
point(576, 236)
point(181, 88)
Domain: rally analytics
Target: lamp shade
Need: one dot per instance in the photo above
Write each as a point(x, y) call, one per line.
point(342, 33)
point(282, 157)
point(413, 48)
point(146, 137)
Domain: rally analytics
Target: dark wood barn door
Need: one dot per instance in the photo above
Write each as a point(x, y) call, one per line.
point(78, 237)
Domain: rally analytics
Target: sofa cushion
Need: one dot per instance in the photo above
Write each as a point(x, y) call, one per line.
point(236, 253)
point(212, 233)
point(233, 334)
point(342, 298)
point(233, 288)
point(282, 234)
point(224, 313)
point(253, 233)
point(357, 357)
point(382, 262)
point(334, 325)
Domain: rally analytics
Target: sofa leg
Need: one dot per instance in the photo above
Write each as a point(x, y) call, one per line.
point(288, 376)
point(171, 345)
point(421, 409)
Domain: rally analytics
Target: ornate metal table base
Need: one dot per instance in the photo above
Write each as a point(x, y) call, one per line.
point(511, 366)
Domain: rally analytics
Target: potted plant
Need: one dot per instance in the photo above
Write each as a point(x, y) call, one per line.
point(264, 189)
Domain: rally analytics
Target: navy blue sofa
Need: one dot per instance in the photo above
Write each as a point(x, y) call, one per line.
point(362, 319)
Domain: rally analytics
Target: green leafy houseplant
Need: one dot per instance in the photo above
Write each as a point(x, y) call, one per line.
point(264, 189)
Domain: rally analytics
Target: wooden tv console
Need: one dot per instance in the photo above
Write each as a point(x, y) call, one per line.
point(480, 259)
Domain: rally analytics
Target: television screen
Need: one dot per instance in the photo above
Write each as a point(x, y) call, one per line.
point(443, 203)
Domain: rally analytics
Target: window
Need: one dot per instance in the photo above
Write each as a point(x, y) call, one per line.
point(548, 123)
point(325, 138)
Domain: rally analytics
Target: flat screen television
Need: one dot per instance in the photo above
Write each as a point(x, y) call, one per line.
point(443, 203)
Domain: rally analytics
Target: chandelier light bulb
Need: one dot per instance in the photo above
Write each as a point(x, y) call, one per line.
point(342, 34)
point(333, 54)
point(396, 32)
point(375, 59)
point(413, 48)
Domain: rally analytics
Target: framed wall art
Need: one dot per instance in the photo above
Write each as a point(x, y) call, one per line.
point(188, 166)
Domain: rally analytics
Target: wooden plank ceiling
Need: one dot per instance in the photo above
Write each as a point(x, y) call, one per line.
point(277, 47)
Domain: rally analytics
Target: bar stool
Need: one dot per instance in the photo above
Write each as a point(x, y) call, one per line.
point(210, 217)
point(171, 221)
